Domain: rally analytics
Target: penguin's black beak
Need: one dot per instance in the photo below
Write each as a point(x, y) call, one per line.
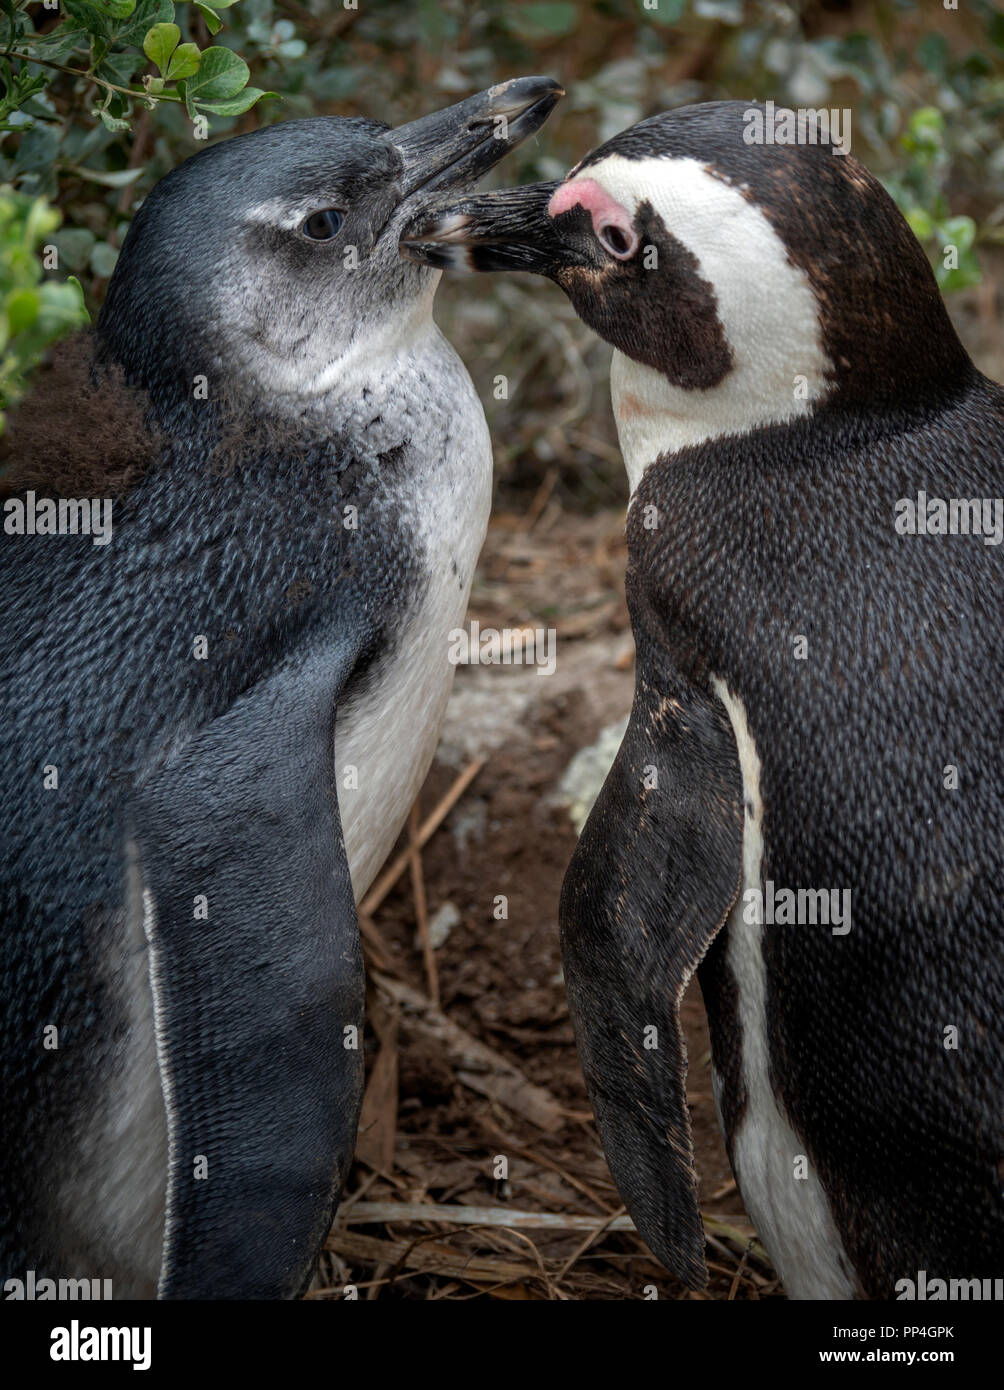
point(507, 229)
point(453, 148)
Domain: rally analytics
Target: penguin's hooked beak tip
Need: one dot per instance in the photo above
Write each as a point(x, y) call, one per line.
point(505, 229)
point(453, 148)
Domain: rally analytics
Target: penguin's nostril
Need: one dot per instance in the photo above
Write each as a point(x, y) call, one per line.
point(615, 240)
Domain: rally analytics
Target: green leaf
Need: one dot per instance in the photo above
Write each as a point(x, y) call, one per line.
point(74, 245)
point(100, 16)
point(37, 149)
point(188, 99)
point(237, 105)
point(15, 23)
point(184, 61)
point(22, 310)
point(111, 122)
point(78, 289)
point(160, 43)
point(213, 22)
point(960, 232)
point(968, 272)
point(41, 220)
point(921, 223)
point(58, 45)
point(79, 142)
point(120, 67)
point(89, 17)
point(33, 312)
point(62, 307)
point(21, 263)
point(108, 178)
point(146, 15)
point(221, 75)
point(926, 122)
point(103, 258)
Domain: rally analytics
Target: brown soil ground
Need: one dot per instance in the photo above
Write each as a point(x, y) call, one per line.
point(433, 1127)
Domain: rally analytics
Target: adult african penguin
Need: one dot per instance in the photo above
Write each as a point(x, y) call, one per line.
point(218, 717)
point(818, 707)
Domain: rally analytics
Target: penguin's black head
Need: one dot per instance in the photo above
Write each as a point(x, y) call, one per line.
point(269, 262)
point(743, 280)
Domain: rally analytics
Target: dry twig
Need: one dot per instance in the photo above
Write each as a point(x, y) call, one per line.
point(430, 825)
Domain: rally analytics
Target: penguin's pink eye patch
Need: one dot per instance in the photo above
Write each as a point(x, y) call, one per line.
point(612, 224)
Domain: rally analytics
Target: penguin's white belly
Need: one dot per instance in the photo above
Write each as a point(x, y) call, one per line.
point(385, 741)
point(779, 1185)
point(386, 736)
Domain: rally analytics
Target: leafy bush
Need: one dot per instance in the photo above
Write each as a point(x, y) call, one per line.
point(63, 127)
point(35, 314)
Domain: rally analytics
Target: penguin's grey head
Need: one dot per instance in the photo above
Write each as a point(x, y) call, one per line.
point(741, 282)
point(269, 263)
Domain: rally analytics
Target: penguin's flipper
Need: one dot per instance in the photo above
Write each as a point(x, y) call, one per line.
point(257, 977)
point(655, 873)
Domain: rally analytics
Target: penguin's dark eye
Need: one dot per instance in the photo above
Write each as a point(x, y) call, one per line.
point(323, 225)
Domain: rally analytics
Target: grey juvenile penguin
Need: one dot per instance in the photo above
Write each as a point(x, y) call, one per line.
point(818, 707)
point(217, 721)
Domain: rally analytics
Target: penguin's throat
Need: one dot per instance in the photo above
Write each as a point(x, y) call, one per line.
point(325, 378)
point(656, 418)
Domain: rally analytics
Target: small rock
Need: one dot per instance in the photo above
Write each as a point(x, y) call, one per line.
point(441, 923)
point(586, 773)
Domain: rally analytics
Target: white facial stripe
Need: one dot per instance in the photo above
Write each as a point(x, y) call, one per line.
point(765, 304)
point(274, 212)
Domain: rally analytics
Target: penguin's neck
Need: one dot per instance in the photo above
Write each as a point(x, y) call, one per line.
point(365, 390)
point(374, 390)
point(325, 378)
point(656, 419)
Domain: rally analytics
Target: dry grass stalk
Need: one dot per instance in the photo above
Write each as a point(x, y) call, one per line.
point(421, 907)
point(480, 1067)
